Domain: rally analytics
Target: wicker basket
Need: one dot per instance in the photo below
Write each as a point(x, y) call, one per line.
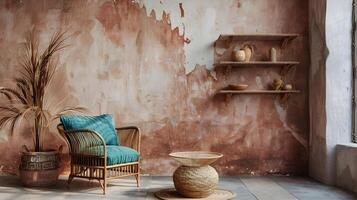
point(195, 182)
point(39, 168)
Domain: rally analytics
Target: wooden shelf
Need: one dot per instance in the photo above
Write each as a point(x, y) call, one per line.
point(258, 37)
point(258, 91)
point(283, 38)
point(257, 63)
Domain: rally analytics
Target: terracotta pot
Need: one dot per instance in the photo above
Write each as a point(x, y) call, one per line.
point(39, 168)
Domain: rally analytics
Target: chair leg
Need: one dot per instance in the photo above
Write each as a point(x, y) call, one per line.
point(70, 178)
point(105, 180)
point(104, 185)
point(137, 177)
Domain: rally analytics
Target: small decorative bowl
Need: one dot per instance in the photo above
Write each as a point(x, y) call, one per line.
point(238, 86)
point(288, 87)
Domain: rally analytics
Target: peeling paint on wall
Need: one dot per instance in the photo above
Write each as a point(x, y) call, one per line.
point(182, 11)
point(204, 21)
point(148, 66)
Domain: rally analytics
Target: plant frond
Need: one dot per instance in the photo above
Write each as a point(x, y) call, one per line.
point(6, 94)
point(12, 93)
point(4, 121)
point(25, 87)
point(26, 100)
point(46, 66)
point(12, 116)
point(45, 117)
point(8, 110)
point(13, 122)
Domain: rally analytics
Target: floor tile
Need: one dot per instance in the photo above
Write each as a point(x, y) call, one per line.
point(266, 189)
point(246, 188)
point(306, 188)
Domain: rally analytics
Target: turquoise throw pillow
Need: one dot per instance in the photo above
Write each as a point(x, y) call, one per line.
point(103, 124)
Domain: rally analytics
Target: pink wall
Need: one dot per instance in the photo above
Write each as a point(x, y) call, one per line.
point(134, 64)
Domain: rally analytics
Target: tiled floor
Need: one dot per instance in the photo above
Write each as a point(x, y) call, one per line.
point(246, 188)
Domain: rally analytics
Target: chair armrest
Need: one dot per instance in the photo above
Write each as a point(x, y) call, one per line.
point(84, 142)
point(130, 136)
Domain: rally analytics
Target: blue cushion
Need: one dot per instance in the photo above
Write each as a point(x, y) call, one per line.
point(121, 154)
point(116, 154)
point(103, 124)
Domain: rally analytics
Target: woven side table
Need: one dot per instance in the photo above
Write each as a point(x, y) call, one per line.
point(195, 178)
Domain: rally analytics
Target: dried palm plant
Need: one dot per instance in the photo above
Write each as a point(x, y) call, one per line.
point(26, 99)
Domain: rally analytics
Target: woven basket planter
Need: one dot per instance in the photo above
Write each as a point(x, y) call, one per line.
point(39, 168)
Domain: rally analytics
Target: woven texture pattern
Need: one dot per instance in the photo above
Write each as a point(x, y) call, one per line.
point(103, 124)
point(195, 182)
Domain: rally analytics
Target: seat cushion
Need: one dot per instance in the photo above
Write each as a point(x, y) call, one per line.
point(103, 124)
point(116, 154)
point(121, 154)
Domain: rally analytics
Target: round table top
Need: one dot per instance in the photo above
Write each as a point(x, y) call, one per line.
point(195, 158)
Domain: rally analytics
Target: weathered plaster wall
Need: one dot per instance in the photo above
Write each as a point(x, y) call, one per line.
point(346, 163)
point(339, 77)
point(317, 89)
point(330, 84)
point(148, 66)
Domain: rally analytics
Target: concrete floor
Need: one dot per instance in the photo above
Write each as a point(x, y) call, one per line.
point(246, 188)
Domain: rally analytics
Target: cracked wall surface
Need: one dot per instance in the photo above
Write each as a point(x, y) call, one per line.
point(150, 63)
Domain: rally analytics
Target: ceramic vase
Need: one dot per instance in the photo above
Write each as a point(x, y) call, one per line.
point(239, 55)
point(248, 50)
point(273, 54)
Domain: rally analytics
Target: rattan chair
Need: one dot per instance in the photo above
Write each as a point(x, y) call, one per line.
point(89, 155)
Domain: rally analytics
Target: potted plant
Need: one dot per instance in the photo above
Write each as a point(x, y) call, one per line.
point(39, 166)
